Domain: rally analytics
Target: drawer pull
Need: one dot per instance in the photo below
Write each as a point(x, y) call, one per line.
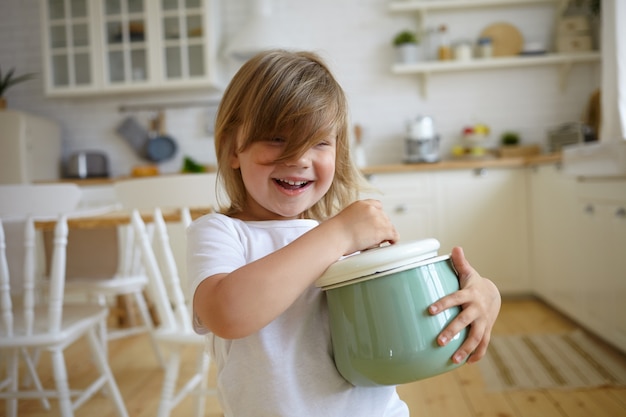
point(401, 209)
point(480, 172)
point(589, 209)
point(620, 212)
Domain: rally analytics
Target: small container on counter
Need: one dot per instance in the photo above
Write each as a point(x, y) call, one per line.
point(484, 48)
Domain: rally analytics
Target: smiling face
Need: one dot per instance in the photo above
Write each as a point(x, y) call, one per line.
point(278, 188)
point(307, 171)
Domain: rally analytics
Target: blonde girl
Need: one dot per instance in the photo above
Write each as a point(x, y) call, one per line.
point(282, 146)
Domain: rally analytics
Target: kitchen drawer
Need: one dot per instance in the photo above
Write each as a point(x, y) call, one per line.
point(409, 186)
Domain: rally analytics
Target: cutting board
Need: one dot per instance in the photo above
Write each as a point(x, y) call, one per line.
point(506, 39)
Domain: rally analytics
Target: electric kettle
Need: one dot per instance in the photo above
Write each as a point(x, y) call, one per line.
point(422, 142)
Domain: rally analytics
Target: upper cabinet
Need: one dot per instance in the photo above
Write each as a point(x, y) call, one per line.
point(422, 8)
point(112, 46)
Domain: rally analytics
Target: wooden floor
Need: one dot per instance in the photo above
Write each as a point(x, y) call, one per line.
point(459, 393)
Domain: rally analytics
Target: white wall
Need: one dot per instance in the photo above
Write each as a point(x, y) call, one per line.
point(355, 37)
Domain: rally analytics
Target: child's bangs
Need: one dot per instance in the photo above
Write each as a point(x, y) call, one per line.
point(307, 130)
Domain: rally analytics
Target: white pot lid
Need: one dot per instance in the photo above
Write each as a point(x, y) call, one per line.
point(373, 262)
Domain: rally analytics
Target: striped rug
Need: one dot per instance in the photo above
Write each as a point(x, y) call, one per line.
point(536, 361)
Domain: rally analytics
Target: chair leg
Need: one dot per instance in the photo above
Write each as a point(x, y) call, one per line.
point(34, 378)
point(147, 319)
point(60, 379)
point(12, 374)
point(204, 362)
point(169, 383)
point(105, 370)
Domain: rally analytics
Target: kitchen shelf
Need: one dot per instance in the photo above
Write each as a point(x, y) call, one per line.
point(565, 61)
point(423, 6)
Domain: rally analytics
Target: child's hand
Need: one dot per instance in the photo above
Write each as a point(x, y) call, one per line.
point(480, 302)
point(365, 225)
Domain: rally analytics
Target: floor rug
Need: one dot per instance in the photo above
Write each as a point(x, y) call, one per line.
point(536, 361)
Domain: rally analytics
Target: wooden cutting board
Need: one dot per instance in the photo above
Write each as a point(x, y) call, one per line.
point(506, 39)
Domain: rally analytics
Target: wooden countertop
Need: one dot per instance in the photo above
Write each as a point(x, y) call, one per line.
point(444, 165)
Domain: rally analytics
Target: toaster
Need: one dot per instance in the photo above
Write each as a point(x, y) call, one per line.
point(87, 164)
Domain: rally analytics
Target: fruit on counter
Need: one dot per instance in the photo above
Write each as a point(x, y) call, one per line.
point(458, 151)
point(477, 129)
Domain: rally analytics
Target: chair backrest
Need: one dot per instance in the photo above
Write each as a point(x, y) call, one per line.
point(43, 201)
point(168, 191)
point(24, 204)
point(173, 191)
point(168, 294)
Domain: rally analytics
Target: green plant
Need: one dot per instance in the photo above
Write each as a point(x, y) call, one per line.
point(510, 139)
point(9, 79)
point(404, 37)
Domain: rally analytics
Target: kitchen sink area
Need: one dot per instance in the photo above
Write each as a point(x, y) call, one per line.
point(595, 159)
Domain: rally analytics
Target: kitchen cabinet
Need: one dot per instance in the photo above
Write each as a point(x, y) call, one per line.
point(408, 201)
point(112, 46)
point(485, 212)
point(424, 70)
point(552, 212)
point(600, 260)
point(578, 241)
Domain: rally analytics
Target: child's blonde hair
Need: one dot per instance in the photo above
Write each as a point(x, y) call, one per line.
point(278, 91)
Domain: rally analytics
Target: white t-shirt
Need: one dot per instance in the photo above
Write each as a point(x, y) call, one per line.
point(286, 368)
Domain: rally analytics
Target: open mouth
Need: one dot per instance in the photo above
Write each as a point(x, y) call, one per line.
point(291, 185)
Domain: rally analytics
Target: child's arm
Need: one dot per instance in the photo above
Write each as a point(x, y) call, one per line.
point(480, 301)
point(237, 304)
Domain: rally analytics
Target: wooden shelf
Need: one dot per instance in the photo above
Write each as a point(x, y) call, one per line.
point(428, 5)
point(565, 61)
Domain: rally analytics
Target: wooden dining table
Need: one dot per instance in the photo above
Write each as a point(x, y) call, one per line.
point(98, 228)
point(116, 218)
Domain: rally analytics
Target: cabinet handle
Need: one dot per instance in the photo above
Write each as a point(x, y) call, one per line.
point(480, 172)
point(400, 209)
point(589, 209)
point(620, 212)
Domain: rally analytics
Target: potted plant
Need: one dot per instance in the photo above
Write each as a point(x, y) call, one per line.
point(406, 43)
point(9, 79)
point(509, 139)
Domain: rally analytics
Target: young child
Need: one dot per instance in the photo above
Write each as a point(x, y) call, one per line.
point(281, 141)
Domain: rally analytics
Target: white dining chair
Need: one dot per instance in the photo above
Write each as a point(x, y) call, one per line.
point(129, 281)
point(163, 248)
point(171, 191)
point(45, 323)
point(175, 330)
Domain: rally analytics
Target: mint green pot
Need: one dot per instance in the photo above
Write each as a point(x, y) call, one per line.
point(382, 332)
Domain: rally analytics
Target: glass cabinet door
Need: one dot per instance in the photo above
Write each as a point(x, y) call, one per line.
point(126, 42)
point(183, 39)
point(69, 43)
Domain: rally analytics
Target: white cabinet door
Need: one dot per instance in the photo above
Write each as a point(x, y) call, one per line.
point(553, 238)
point(601, 258)
point(69, 45)
point(108, 46)
point(484, 211)
point(408, 199)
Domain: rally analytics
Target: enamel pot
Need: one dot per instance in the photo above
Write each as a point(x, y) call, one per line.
point(382, 333)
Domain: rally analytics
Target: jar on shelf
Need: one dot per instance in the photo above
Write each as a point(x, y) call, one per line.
point(463, 50)
point(484, 48)
point(444, 51)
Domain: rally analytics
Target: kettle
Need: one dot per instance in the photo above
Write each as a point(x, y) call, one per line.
point(422, 142)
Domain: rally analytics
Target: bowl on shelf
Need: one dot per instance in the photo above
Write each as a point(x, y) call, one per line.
point(381, 330)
